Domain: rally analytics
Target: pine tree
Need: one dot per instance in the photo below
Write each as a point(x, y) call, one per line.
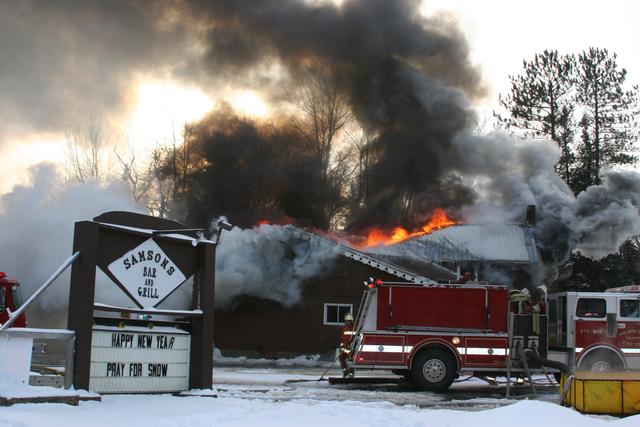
point(609, 121)
point(540, 103)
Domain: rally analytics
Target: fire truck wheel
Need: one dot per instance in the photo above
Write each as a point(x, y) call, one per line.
point(434, 369)
point(405, 373)
point(601, 361)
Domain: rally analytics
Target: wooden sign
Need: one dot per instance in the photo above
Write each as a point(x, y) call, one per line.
point(147, 274)
point(148, 258)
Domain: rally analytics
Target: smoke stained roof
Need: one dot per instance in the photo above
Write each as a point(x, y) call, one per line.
point(461, 243)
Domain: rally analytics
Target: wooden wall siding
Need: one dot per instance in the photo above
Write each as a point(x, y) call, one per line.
point(259, 327)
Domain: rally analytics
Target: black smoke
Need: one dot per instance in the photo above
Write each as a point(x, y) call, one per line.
point(404, 74)
point(64, 59)
point(251, 171)
point(407, 79)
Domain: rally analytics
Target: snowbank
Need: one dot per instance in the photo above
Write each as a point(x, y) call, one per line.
point(163, 410)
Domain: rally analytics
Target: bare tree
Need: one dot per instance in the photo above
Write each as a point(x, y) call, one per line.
point(322, 113)
point(167, 177)
point(363, 158)
point(160, 195)
point(86, 157)
point(324, 107)
point(139, 182)
point(149, 183)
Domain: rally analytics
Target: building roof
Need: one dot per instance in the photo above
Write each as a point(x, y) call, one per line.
point(462, 243)
point(415, 270)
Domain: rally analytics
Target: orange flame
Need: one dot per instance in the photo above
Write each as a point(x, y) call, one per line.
point(438, 220)
point(283, 220)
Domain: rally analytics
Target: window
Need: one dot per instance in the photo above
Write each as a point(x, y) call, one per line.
point(629, 308)
point(1, 300)
point(591, 307)
point(334, 313)
point(17, 297)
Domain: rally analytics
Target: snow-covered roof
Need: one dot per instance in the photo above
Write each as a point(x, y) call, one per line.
point(500, 243)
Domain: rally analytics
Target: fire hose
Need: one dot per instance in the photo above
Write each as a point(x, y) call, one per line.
point(533, 355)
point(566, 370)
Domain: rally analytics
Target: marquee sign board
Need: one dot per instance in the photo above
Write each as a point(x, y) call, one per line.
point(139, 359)
point(147, 274)
point(148, 258)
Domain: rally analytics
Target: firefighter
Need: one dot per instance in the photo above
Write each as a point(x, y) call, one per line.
point(467, 276)
point(345, 346)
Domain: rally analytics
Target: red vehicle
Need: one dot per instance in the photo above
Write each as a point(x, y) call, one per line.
point(10, 300)
point(602, 327)
point(432, 333)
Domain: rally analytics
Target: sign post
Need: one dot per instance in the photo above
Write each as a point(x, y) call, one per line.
point(147, 258)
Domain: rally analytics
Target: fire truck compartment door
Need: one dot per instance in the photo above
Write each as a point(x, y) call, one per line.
point(484, 351)
point(432, 307)
point(382, 349)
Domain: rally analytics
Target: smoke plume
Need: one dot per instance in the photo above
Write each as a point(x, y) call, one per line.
point(64, 58)
point(37, 223)
point(517, 174)
point(407, 79)
point(405, 76)
point(269, 262)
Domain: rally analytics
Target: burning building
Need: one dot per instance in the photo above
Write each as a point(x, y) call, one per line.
point(263, 326)
point(266, 326)
point(499, 254)
point(407, 81)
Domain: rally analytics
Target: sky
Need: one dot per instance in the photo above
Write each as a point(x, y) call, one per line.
point(155, 104)
point(503, 33)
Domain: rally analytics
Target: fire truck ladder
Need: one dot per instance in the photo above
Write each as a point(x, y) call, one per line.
point(385, 266)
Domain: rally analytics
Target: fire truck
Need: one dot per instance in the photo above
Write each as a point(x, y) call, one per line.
point(601, 328)
point(431, 333)
point(10, 300)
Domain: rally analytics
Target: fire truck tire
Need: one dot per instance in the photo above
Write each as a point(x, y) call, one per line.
point(405, 373)
point(601, 361)
point(433, 369)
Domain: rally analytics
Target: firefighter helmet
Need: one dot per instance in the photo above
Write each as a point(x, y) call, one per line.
point(348, 317)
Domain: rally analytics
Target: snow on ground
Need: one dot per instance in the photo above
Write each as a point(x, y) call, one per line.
point(301, 361)
point(292, 397)
point(164, 410)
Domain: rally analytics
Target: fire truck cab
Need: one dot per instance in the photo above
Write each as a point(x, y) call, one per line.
point(10, 300)
point(602, 327)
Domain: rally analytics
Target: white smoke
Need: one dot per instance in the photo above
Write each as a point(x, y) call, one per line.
point(270, 262)
point(515, 174)
point(36, 225)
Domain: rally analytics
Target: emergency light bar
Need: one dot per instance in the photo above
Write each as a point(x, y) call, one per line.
point(372, 283)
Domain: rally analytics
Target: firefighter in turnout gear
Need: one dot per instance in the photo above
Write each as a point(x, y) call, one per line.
point(345, 350)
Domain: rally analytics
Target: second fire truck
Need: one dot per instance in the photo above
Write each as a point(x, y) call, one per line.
point(10, 300)
point(433, 333)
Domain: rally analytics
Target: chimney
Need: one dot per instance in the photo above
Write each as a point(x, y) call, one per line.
point(530, 218)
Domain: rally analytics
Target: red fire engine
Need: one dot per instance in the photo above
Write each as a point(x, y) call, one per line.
point(603, 328)
point(10, 300)
point(431, 333)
